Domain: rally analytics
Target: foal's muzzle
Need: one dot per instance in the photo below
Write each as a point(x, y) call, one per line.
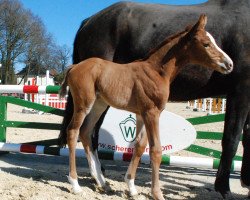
point(226, 66)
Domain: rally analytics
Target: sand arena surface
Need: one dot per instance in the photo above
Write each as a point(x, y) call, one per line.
point(41, 177)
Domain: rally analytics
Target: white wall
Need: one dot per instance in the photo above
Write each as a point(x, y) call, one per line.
point(40, 80)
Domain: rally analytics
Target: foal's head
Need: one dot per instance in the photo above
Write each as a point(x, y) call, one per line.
point(201, 49)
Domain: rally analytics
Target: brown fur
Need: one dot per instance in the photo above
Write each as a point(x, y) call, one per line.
point(141, 87)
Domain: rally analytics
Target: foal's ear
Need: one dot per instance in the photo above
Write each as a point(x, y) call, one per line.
point(200, 24)
point(202, 21)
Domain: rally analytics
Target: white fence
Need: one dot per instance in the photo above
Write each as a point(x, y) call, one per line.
point(210, 105)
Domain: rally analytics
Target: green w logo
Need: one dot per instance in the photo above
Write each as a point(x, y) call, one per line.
point(129, 132)
point(128, 128)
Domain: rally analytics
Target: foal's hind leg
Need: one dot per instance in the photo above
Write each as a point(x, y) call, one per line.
point(86, 132)
point(141, 143)
point(72, 135)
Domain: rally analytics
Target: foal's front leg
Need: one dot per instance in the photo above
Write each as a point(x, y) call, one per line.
point(72, 135)
point(151, 120)
point(141, 143)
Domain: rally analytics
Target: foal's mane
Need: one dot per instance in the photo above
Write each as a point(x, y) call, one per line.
point(167, 40)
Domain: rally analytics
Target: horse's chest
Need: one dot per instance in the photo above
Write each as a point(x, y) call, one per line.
point(161, 100)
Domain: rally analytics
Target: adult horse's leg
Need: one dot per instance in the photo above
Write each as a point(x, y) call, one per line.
point(235, 118)
point(141, 143)
point(95, 135)
point(85, 136)
point(245, 170)
point(151, 120)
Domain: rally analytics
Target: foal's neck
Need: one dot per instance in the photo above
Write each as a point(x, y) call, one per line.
point(166, 58)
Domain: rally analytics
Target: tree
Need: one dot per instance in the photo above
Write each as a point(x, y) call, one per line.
point(38, 47)
point(64, 54)
point(15, 29)
point(23, 38)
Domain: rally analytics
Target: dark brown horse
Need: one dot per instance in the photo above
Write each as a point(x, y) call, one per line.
point(141, 87)
point(126, 31)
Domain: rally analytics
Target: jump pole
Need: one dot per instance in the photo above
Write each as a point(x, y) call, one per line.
point(178, 161)
point(29, 89)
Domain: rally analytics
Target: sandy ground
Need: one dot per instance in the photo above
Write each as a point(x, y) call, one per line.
point(24, 176)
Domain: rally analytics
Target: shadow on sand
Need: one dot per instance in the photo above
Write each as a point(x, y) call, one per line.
point(176, 180)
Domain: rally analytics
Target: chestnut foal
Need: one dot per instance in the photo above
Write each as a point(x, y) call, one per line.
point(141, 87)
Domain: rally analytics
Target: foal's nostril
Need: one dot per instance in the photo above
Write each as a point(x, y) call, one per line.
point(228, 64)
point(231, 66)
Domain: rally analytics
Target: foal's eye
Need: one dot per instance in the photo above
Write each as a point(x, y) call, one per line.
point(206, 45)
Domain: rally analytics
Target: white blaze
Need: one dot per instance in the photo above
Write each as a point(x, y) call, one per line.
point(227, 58)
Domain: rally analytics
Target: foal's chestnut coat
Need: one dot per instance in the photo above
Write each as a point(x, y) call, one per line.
point(141, 87)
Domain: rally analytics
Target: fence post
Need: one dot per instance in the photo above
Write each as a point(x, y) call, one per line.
point(223, 105)
point(204, 105)
point(3, 116)
point(47, 83)
point(37, 95)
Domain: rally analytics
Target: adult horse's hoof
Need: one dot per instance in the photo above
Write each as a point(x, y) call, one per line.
point(223, 188)
point(227, 195)
point(106, 188)
point(245, 186)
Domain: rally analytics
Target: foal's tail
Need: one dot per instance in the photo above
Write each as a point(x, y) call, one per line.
point(62, 139)
point(63, 89)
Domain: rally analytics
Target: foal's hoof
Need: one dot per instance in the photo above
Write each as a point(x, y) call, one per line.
point(133, 193)
point(157, 195)
point(75, 186)
point(131, 186)
point(77, 190)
